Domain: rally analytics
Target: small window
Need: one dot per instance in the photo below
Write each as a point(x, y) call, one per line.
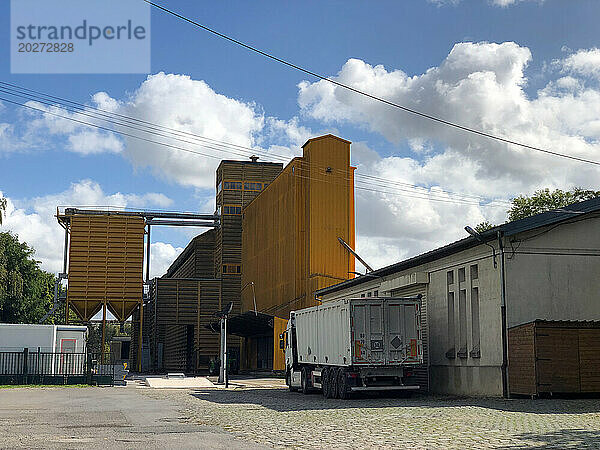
point(375, 293)
point(232, 185)
point(232, 269)
point(368, 294)
point(250, 186)
point(450, 277)
point(232, 210)
point(219, 186)
point(362, 295)
point(474, 272)
point(461, 275)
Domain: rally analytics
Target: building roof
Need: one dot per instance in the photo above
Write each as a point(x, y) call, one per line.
point(324, 137)
point(553, 217)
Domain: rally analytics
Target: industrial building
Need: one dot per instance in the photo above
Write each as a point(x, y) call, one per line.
point(277, 243)
point(290, 246)
point(485, 295)
point(205, 277)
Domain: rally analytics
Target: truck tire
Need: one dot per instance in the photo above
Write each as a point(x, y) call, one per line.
point(305, 380)
point(325, 381)
point(342, 384)
point(330, 392)
point(335, 382)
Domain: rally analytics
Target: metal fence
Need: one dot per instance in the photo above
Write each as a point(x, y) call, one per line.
point(56, 368)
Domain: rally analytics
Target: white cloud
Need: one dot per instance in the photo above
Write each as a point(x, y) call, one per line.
point(585, 62)
point(162, 256)
point(479, 85)
point(185, 114)
point(500, 3)
point(56, 121)
point(34, 222)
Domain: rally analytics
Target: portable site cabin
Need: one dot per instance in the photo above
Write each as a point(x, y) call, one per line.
point(43, 338)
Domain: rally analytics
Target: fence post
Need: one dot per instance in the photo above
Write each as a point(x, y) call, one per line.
point(25, 358)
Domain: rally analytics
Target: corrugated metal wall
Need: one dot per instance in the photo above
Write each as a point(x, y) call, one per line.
point(177, 303)
point(197, 259)
point(106, 254)
point(290, 231)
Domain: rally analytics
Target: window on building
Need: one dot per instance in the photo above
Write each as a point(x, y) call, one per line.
point(252, 186)
point(461, 275)
point(475, 333)
point(375, 293)
point(462, 323)
point(219, 186)
point(474, 272)
point(232, 185)
point(451, 353)
point(232, 269)
point(362, 295)
point(232, 210)
point(368, 294)
point(450, 277)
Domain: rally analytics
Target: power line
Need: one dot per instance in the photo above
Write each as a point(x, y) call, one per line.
point(423, 197)
point(366, 94)
point(150, 128)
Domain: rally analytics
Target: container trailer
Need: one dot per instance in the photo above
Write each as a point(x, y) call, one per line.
point(352, 345)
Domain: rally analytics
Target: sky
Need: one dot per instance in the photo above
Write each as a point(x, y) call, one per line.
point(526, 70)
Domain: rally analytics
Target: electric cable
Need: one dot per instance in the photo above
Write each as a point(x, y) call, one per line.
point(85, 110)
point(366, 94)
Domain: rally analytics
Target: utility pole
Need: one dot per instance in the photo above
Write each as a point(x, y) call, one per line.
point(223, 315)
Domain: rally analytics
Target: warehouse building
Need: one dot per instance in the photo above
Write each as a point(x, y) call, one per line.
point(511, 310)
point(290, 245)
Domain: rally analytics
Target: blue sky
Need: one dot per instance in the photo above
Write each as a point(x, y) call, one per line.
point(410, 36)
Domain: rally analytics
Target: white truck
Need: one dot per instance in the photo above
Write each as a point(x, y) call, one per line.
point(350, 345)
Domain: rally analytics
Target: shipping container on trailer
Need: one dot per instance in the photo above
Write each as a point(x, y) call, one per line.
point(354, 345)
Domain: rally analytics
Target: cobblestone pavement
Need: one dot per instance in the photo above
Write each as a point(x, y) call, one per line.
point(280, 418)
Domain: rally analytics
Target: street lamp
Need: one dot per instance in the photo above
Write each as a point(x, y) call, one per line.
point(478, 236)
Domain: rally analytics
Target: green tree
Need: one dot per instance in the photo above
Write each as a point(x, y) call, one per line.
point(545, 200)
point(483, 226)
point(541, 201)
point(26, 291)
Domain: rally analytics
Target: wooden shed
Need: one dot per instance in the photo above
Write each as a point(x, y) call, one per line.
point(554, 357)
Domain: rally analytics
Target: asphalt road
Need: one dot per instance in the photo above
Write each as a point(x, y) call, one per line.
point(107, 418)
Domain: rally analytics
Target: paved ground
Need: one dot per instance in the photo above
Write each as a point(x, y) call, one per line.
point(262, 413)
point(280, 418)
point(106, 418)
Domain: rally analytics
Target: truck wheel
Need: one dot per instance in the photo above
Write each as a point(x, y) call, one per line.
point(342, 384)
point(325, 381)
point(330, 393)
point(335, 382)
point(305, 381)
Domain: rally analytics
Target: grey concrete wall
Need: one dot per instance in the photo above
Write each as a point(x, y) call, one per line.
point(554, 275)
point(467, 380)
